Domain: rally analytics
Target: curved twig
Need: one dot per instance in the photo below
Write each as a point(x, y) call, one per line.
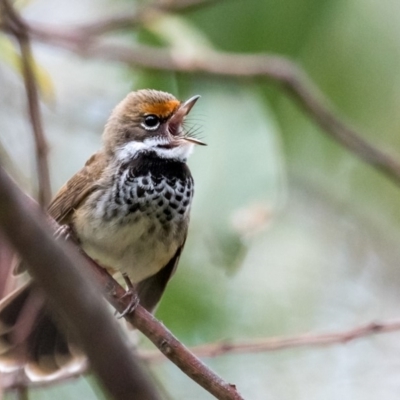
point(279, 69)
point(294, 80)
point(140, 16)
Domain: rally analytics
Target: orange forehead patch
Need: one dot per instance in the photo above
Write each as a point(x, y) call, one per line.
point(160, 109)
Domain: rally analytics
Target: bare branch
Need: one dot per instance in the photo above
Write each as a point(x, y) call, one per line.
point(72, 292)
point(281, 343)
point(240, 66)
point(165, 341)
point(140, 17)
point(275, 343)
point(18, 28)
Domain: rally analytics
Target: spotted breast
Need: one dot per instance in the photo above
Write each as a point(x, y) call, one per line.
point(143, 214)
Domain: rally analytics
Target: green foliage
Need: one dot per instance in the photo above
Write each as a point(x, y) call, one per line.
point(10, 56)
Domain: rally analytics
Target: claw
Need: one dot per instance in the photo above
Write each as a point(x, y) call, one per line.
point(63, 232)
point(131, 291)
point(133, 303)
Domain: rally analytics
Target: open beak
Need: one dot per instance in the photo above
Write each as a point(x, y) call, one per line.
point(177, 119)
point(195, 141)
point(188, 104)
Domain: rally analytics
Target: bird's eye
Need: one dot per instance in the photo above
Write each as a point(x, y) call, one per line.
point(151, 122)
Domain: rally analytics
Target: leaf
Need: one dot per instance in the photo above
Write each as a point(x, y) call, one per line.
point(11, 57)
point(181, 35)
point(20, 4)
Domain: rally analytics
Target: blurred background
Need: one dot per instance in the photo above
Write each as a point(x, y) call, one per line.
point(290, 233)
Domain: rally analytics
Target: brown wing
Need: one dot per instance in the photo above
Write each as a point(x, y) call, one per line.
point(151, 289)
point(76, 190)
point(71, 195)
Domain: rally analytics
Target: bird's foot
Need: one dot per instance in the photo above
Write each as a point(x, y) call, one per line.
point(133, 302)
point(63, 232)
point(67, 234)
point(132, 293)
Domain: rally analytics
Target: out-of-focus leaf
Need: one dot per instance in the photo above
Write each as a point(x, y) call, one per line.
point(180, 34)
point(243, 161)
point(10, 56)
point(20, 4)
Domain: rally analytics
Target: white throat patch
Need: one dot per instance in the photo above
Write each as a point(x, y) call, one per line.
point(132, 149)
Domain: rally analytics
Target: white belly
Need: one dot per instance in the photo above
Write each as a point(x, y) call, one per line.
point(130, 248)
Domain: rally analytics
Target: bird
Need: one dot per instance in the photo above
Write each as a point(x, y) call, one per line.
point(129, 209)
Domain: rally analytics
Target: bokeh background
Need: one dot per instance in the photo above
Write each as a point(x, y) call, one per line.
point(290, 233)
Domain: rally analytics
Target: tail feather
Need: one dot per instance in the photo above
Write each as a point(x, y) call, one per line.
point(46, 353)
point(9, 361)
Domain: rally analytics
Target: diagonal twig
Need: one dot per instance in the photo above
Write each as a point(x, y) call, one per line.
point(72, 293)
point(165, 341)
point(56, 268)
point(19, 30)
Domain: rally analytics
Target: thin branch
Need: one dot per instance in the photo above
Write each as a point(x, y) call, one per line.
point(282, 343)
point(58, 269)
point(140, 16)
point(235, 65)
point(272, 344)
point(165, 341)
point(72, 293)
point(18, 28)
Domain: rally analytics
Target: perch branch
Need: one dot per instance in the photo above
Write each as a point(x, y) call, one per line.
point(56, 267)
point(165, 341)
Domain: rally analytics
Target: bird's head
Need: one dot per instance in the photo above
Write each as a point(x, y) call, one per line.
point(150, 121)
